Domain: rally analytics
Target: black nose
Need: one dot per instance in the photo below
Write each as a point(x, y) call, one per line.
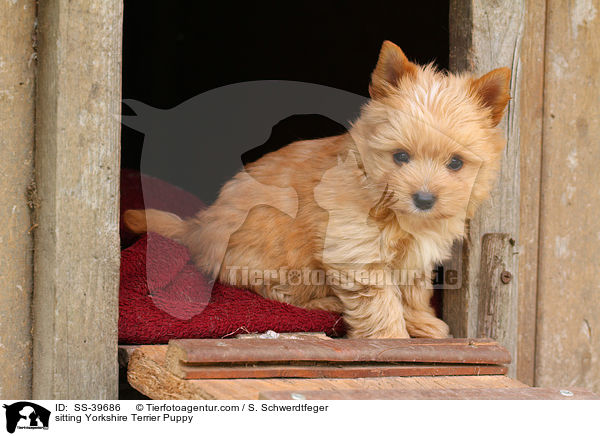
point(424, 200)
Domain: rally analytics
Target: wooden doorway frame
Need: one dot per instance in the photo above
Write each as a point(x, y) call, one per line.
point(72, 187)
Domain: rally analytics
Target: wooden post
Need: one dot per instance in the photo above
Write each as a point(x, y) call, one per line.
point(568, 317)
point(532, 108)
point(485, 35)
point(17, 86)
point(496, 314)
point(77, 169)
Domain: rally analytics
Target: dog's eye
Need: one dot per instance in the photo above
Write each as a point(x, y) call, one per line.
point(401, 157)
point(455, 163)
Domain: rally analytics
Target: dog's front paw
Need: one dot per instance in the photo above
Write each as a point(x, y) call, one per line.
point(427, 326)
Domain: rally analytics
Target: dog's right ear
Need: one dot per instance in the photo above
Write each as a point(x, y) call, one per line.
point(493, 92)
point(392, 66)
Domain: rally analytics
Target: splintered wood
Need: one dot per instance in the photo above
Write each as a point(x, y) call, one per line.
point(148, 375)
point(243, 368)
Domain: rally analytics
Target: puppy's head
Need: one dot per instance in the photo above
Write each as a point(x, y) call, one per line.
point(431, 138)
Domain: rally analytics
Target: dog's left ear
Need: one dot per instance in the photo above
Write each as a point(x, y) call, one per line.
point(392, 66)
point(493, 92)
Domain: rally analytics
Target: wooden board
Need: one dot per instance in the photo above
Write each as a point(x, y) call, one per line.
point(148, 375)
point(495, 292)
point(191, 372)
point(568, 318)
point(210, 351)
point(532, 109)
point(77, 249)
point(316, 357)
point(484, 35)
point(433, 394)
point(17, 87)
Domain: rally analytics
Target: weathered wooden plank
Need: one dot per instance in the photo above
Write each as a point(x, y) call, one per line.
point(485, 35)
point(77, 249)
point(212, 351)
point(568, 318)
point(532, 108)
point(125, 351)
point(17, 88)
point(148, 375)
point(195, 372)
point(456, 299)
point(497, 306)
point(434, 394)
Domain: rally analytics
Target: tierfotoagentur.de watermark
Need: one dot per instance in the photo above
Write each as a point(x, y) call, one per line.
point(344, 278)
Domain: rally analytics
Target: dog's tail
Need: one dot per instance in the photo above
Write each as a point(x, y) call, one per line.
point(157, 221)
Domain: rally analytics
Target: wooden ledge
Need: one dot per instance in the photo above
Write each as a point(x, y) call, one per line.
point(148, 374)
point(434, 394)
point(315, 357)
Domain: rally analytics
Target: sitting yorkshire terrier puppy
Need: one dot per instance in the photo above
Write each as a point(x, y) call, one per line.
point(390, 195)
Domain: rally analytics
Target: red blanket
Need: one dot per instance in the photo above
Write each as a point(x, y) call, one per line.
point(163, 296)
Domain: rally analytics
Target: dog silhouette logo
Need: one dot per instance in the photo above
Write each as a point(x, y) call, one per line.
point(26, 415)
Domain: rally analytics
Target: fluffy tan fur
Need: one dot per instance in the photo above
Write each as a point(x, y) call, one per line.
point(351, 206)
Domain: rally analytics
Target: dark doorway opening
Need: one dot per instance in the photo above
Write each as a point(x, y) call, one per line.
point(175, 50)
